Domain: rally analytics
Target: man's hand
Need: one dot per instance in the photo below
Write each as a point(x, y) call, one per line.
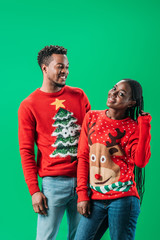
point(84, 208)
point(39, 203)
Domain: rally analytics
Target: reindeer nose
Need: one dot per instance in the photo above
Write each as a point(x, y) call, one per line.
point(98, 176)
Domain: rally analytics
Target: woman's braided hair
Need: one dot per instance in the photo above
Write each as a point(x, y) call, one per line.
point(134, 112)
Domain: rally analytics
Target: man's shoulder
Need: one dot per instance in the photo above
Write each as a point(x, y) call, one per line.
point(29, 99)
point(74, 90)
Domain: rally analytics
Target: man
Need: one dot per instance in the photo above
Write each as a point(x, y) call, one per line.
point(52, 117)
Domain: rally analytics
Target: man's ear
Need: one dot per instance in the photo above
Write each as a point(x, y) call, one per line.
point(131, 104)
point(44, 68)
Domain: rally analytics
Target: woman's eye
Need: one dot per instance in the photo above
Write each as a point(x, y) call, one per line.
point(121, 94)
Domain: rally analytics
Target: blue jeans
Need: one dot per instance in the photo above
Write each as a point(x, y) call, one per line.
point(119, 215)
point(61, 195)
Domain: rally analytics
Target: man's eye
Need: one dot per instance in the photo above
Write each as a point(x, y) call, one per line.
point(114, 88)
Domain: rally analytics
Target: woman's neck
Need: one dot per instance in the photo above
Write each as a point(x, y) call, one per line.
point(116, 114)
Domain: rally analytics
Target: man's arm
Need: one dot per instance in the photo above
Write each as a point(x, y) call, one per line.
point(86, 103)
point(26, 134)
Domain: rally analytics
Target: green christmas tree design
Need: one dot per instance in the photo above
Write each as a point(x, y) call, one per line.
point(67, 133)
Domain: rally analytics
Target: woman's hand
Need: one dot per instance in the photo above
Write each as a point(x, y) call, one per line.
point(84, 208)
point(144, 113)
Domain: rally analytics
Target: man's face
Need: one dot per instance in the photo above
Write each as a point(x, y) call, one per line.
point(57, 70)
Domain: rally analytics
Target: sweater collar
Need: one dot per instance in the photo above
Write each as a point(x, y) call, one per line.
point(54, 94)
point(115, 120)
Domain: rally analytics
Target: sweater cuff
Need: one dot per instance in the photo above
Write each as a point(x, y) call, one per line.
point(83, 196)
point(33, 189)
point(144, 119)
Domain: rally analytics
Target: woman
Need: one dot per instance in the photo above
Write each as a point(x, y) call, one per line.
point(111, 144)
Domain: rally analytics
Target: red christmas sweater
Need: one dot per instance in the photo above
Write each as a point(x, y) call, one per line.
point(52, 121)
point(108, 150)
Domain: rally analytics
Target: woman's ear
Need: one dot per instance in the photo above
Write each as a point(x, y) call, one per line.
point(131, 104)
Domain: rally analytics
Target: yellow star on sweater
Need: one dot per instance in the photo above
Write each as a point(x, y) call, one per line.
point(58, 103)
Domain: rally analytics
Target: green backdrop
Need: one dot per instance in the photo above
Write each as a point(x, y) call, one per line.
point(106, 41)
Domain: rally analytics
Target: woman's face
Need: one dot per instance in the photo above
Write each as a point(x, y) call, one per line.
point(120, 96)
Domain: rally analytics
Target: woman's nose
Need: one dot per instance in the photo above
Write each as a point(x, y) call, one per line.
point(112, 93)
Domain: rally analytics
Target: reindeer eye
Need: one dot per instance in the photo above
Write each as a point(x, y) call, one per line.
point(93, 157)
point(103, 159)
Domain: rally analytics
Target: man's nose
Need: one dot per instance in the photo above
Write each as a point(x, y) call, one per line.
point(63, 70)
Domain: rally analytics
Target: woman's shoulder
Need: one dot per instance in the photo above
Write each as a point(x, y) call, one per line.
point(94, 113)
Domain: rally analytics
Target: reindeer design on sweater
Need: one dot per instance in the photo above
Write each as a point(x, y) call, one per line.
point(103, 170)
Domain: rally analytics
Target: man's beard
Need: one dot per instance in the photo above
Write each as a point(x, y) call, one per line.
point(59, 84)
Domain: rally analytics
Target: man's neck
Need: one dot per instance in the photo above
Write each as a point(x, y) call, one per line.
point(49, 88)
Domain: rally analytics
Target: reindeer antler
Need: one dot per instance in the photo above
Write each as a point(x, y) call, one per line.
point(89, 134)
point(113, 139)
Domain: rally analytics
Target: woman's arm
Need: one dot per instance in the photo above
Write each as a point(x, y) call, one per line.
point(83, 163)
point(140, 141)
point(83, 205)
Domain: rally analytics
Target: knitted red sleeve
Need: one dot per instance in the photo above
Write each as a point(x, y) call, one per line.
point(139, 142)
point(83, 163)
point(26, 134)
point(86, 103)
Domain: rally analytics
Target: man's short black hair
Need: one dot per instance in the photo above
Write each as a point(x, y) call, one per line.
point(44, 55)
